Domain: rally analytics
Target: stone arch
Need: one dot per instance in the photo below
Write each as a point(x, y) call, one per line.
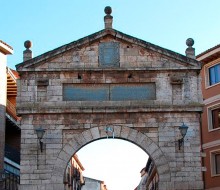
point(120, 132)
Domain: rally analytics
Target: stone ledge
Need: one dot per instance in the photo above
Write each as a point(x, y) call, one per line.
point(105, 107)
point(144, 68)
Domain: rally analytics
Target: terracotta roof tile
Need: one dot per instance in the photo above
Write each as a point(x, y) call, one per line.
point(207, 51)
point(15, 73)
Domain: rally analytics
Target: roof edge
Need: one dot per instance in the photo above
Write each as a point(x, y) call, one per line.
point(207, 51)
point(98, 180)
point(115, 33)
point(5, 48)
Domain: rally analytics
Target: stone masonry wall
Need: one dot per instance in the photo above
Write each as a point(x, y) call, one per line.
point(52, 89)
point(161, 128)
point(151, 124)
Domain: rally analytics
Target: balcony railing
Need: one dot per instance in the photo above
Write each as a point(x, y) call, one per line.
point(9, 182)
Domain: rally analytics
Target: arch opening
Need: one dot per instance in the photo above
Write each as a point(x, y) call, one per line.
point(115, 163)
point(78, 141)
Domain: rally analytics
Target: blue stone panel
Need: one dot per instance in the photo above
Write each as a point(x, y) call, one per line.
point(109, 54)
point(119, 92)
point(106, 92)
point(78, 92)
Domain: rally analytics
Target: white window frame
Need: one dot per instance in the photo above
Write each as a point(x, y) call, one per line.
point(206, 70)
point(213, 162)
point(209, 117)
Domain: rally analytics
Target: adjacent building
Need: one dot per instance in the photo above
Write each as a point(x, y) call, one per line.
point(210, 136)
point(149, 177)
point(10, 133)
point(5, 50)
point(74, 179)
point(12, 130)
point(94, 184)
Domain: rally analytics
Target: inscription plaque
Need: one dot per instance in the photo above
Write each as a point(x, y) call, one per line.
point(85, 92)
point(109, 92)
point(125, 92)
point(109, 54)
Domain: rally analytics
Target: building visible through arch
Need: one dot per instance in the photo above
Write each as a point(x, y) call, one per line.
point(110, 80)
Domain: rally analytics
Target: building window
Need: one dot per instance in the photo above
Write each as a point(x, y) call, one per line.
point(215, 162)
point(214, 117)
point(214, 74)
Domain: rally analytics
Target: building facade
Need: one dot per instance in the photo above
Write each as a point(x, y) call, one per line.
point(94, 184)
point(10, 131)
point(74, 179)
point(13, 131)
point(149, 177)
point(5, 50)
point(210, 74)
point(152, 176)
point(110, 84)
point(12, 135)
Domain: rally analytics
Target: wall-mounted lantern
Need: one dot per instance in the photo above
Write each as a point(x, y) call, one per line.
point(183, 130)
point(40, 133)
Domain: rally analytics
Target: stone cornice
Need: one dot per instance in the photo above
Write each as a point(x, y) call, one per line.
point(158, 69)
point(211, 144)
point(99, 35)
point(212, 99)
point(104, 107)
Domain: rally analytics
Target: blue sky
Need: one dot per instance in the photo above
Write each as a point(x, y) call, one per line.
point(52, 23)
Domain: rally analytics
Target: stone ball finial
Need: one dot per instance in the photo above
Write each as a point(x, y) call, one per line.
point(190, 42)
point(108, 10)
point(28, 44)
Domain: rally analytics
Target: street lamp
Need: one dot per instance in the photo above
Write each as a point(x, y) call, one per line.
point(40, 133)
point(183, 130)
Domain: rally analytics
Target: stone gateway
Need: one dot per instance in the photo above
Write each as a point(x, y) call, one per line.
point(109, 79)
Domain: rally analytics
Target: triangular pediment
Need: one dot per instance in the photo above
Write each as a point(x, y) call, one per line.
point(85, 54)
